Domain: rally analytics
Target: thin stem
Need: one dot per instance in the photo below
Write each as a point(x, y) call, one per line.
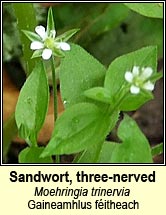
point(54, 89)
point(119, 100)
point(55, 97)
point(57, 158)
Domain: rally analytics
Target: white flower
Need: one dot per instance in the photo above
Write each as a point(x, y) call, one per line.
point(139, 79)
point(47, 43)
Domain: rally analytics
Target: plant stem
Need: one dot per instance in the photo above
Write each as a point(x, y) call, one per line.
point(54, 89)
point(119, 100)
point(55, 97)
point(57, 158)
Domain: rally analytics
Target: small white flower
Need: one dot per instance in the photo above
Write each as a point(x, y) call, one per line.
point(138, 78)
point(44, 41)
point(48, 43)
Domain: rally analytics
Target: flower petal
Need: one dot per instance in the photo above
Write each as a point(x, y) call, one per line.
point(40, 30)
point(135, 71)
point(129, 76)
point(134, 89)
point(64, 46)
point(46, 54)
point(35, 45)
point(146, 73)
point(148, 86)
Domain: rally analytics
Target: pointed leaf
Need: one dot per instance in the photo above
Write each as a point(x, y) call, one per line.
point(58, 53)
point(78, 128)
point(156, 77)
point(50, 21)
point(32, 104)
point(26, 20)
point(32, 36)
point(37, 53)
point(93, 153)
point(67, 35)
point(158, 149)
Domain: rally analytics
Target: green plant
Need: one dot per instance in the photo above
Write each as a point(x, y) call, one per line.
point(93, 97)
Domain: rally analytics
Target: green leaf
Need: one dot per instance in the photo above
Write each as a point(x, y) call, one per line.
point(99, 94)
point(134, 148)
point(67, 35)
point(32, 104)
point(58, 53)
point(133, 102)
point(156, 77)
point(32, 155)
point(97, 21)
point(37, 53)
point(32, 36)
point(26, 20)
point(113, 15)
point(154, 10)
point(114, 80)
point(107, 151)
point(11, 39)
point(79, 71)
point(78, 128)
point(92, 154)
point(158, 149)
point(50, 21)
point(134, 32)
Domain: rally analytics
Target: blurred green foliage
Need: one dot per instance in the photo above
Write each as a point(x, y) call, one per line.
point(135, 32)
point(154, 10)
point(12, 47)
point(107, 29)
point(11, 42)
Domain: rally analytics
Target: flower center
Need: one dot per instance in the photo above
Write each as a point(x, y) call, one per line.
point(138, 81)
point(49, 43)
